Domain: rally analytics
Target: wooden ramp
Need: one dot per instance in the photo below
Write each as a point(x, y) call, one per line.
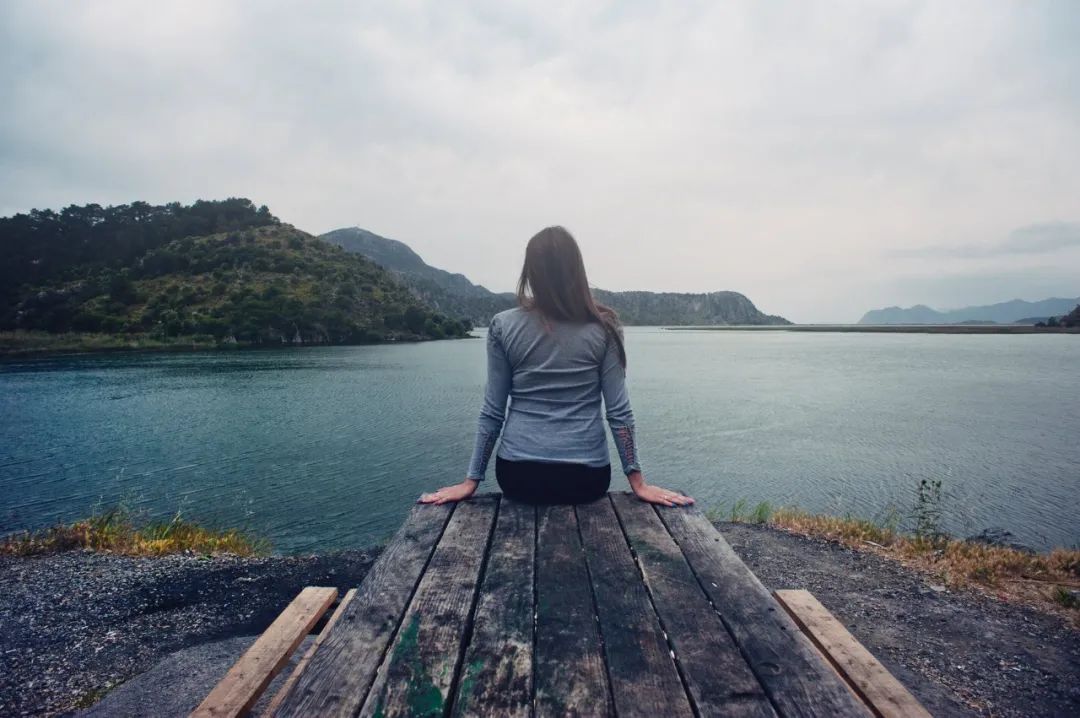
point(491, 607)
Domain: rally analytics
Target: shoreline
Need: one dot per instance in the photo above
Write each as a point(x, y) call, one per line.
point(87, 628)
point(14, 346)
point(29, 345)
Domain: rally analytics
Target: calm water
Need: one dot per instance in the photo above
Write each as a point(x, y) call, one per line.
point(325, 448)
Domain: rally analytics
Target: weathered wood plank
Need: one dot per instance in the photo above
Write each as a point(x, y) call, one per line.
point(249, 676)
point(496, 678)
point(885, 695)
point(570, 679)
point(301, 665)
point(343, 668)
point(644, 680)
point(416, 677)
point(719, 681)
point(797, 680)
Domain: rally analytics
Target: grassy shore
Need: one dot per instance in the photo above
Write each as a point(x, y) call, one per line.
point(23, 343)
point(34, 343)
point(1048, 581)
point(117, 531)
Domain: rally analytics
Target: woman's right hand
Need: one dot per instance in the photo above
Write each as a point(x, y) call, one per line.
point(656, 494)
point(447, 494)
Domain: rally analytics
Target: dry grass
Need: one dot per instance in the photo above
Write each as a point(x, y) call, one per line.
point(116, 531)
point(1044, 580)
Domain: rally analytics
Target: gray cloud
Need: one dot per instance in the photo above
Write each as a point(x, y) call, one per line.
point(1042, 238)
point(1046, 237)
point(781, 150)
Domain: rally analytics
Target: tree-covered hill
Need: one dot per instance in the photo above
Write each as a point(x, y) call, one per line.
point(247, 278)
point(44, 245)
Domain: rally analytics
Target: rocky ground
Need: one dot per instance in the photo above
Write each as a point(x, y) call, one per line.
point(960, 653)
point(77, 624)
point(120, 634)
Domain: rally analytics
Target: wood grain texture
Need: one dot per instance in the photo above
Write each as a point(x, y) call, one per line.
point(878, 688)
point(249, 676)
point(416, 677)
point(644, 680)
point(288, 683)
point(719, 681)
point(570, 678)
point(343, 668)
point(797, 680)
point(496, 677)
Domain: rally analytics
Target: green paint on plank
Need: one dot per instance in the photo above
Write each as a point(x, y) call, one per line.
point(422, 696)
point(471, 671)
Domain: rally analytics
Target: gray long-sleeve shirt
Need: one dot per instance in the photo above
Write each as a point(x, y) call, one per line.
point(555, 375)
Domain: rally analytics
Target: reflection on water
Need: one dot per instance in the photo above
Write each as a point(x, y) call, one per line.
point(327, 447)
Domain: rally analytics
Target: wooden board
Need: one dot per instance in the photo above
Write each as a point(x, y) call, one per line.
point(569, 670)
point(496, 678)
point(719, 681)
point(343, 668)
point(797, 680)
point(416, 677)
point(302, 664)
point(248, 678)
point(885, 695)
point(644, 680)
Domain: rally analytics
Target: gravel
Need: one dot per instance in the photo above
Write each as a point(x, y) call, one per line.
point(959, 652)
point(77, 624)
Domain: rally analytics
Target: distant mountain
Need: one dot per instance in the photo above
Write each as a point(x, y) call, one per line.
point(451, 294)
point(678, 309)
point(455, 295)
point(1003, 313)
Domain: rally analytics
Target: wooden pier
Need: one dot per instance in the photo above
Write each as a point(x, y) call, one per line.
point(490, 607)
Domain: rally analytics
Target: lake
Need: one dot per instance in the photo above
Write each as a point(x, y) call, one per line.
point(325, 448)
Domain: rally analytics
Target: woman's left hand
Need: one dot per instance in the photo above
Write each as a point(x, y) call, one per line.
point(457, 492)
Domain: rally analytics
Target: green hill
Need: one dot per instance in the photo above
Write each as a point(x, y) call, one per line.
point(137, 271)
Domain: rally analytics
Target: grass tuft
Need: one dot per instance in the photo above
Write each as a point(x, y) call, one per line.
point(761, 513)
point(1043, 580)
point(1047, 580)
point(1066, 598)
point(115, 530)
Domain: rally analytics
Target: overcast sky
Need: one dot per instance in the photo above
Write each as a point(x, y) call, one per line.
point(823, 158)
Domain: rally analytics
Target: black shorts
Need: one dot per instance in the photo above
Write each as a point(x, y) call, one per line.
point(541, 482)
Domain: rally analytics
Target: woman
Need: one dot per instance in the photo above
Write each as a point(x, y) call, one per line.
point(555, 356)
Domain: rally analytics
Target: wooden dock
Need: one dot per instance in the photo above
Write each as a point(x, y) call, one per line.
point(491, 607)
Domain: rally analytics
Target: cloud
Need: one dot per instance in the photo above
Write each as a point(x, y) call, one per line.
point(777, 149)
point(1042, 238)
point(956, 289)
point(1046, 237)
